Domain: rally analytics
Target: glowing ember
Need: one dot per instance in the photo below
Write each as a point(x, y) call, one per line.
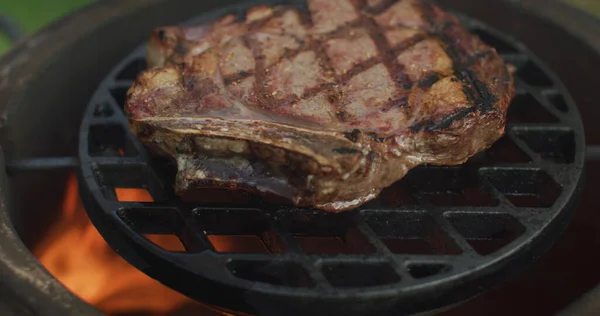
point(133, 195)
point(75, 253)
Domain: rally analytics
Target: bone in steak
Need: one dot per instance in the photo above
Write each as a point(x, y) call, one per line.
point(324, 107)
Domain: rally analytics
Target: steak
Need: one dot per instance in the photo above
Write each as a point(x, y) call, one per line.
point(324, 105)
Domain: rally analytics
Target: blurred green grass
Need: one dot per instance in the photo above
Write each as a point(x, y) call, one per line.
point(34, 14)
point(590, 6)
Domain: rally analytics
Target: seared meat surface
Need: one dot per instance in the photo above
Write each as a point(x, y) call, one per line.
point(324, 106)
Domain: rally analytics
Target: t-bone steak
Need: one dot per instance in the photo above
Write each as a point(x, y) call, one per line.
point(324, 105)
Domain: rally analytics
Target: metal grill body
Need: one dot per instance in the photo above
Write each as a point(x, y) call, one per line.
point(438, 236)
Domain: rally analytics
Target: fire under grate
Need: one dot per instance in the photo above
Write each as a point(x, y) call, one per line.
point(434, 238)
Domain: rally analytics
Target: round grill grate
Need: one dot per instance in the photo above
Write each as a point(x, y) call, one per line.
point(440, 235)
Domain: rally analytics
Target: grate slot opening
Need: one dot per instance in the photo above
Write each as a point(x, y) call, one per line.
point(531, 74)
point(557, 100)
point(119, 94)
point(238, 231)
point(103, 110)
point(424, 270)
point(237, 244)
point(501, 46)
point(152, 220)
point(358, 275)
point(486, 233)
point(221, 198)
point(526, 109)
point(127, 183)
point(109, 141)
point(553, 145)
point(169, 243)
point(525, 188)
point(325, 233)
point(502, 151)
point(132, 70)
point(450, 186)
point(280, 273)
point(392, 196)
point(407, 232)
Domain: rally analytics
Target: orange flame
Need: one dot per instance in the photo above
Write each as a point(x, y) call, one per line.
point(76, 254)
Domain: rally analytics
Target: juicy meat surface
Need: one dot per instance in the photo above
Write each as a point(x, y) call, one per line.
point(324, 105)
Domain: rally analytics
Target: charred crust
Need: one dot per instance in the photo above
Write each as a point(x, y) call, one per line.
point(409, 43)
point(429, 80)
point(387, 53)
point(277, 12)
point(487, 98)
point(326, 171)
point(360, 67)
point(380, 8)
point(341, 115)
point(428, 13)
point(448, 120)
point(180, 49)
point(287, 52)
point(259, 72)
point(369, 162)
point(484, 54)
point(239, 76)
point(230, 80)
point(353, 136)
point(395, 103)
point(402, 80)
point(324, 61)
point(476, 91)
point(474, 57)
point(190, 82)
point(201, 87)
point(304, 13)
point(346, 151)
point(146, 131)
point(333, 97)
point(160, 33)
point(443, 123)
point(401, 102)
point(400, 77)
point(377, 138)
point(468, 92)
point(417, 127)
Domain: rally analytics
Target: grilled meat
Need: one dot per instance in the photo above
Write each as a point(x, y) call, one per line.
point(325, 106)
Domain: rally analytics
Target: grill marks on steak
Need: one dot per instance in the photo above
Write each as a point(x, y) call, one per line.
point(337, 102)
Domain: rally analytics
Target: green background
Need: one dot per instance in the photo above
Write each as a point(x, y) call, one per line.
point(591, 6)
point(33, 14)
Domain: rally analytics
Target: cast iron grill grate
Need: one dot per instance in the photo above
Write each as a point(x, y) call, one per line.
point(438, 236)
